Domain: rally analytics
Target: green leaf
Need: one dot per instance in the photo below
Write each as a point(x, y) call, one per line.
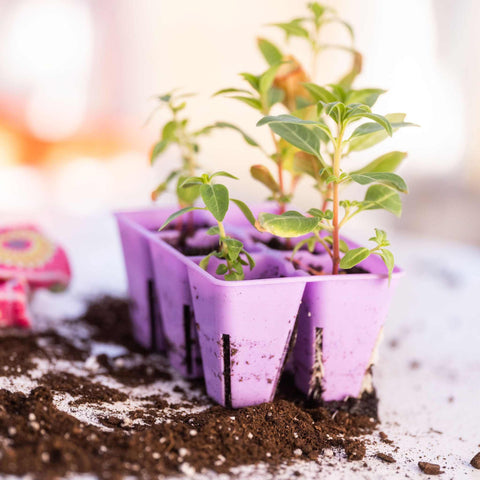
point(169, 129)
point(222, 173)
point(189, 181)
point(310, 165)
point(274, 95)
point(245, 210)
point(367, 96)
point(319, 130)
point(335, 110)
point(250, 101)
point(292, 29)
point(222, 269)
point(320, 94)
point(187, 194)
point(234, 247)
point(263, 175)
point(269, 119)
point(384, 197)
point(341, 243)
point(380, 238)
point(317, 9)
point(316, 212)
point(374, 133)
point(385, 163)
point(288, 224)
point(354, 257)
point(213, 231)
point(299, 136)
point(205, 261)
point(339, 91)
point(230, 90)
point(245, 136)
point(158, 148)
point(389, 260)
point(266, 79)
point(270, 52)
point(385, 178)
point(175, 215)
point(216, 200)
point(251, 261)
point(380, 119)
point(234, 276)
point(252, 79)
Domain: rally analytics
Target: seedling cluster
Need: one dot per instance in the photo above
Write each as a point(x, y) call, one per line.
point(320, 129)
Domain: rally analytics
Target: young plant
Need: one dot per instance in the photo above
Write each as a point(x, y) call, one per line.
point(262, 96)
point(176, 131)
point(345, 124)
point(283, 82)
point(216, 199)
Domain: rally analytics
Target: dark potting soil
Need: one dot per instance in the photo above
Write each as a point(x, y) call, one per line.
point(180, 243)
point(313, 269)
point(276, 244)
point(155, 436)
point(190, 251)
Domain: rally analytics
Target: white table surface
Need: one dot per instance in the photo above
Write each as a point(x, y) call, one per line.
point(428, 376)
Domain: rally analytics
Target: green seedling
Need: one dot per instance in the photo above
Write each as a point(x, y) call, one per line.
point(345, 123)
point(216, 199)
point(283, 84)
point(177, 132)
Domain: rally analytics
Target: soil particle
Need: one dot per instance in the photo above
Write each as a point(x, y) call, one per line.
point(385, 457)
point(475, 461)
point(430, 468)
point(384, 438)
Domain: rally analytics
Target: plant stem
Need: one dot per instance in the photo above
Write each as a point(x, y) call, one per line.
point(280, 172)
point(336, 171)
point(328, 194)
point(324, 244)
point(221, 230)
point(223, 247)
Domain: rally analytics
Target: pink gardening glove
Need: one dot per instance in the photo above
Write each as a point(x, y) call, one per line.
point(14, 304)
point(25, 253)
point(28, 260)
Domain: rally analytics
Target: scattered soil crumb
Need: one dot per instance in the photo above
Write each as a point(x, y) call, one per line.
point(384, 438)
point(430, 468)
point(475, 461)
point(385, 457)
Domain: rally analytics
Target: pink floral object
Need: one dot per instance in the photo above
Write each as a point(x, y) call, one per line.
point(26, 254)
point(14, 304)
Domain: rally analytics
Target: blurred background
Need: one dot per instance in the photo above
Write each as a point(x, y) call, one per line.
point(77, 79)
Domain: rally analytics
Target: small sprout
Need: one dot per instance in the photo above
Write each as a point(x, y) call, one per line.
point(216, 199)
point(177, 132)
